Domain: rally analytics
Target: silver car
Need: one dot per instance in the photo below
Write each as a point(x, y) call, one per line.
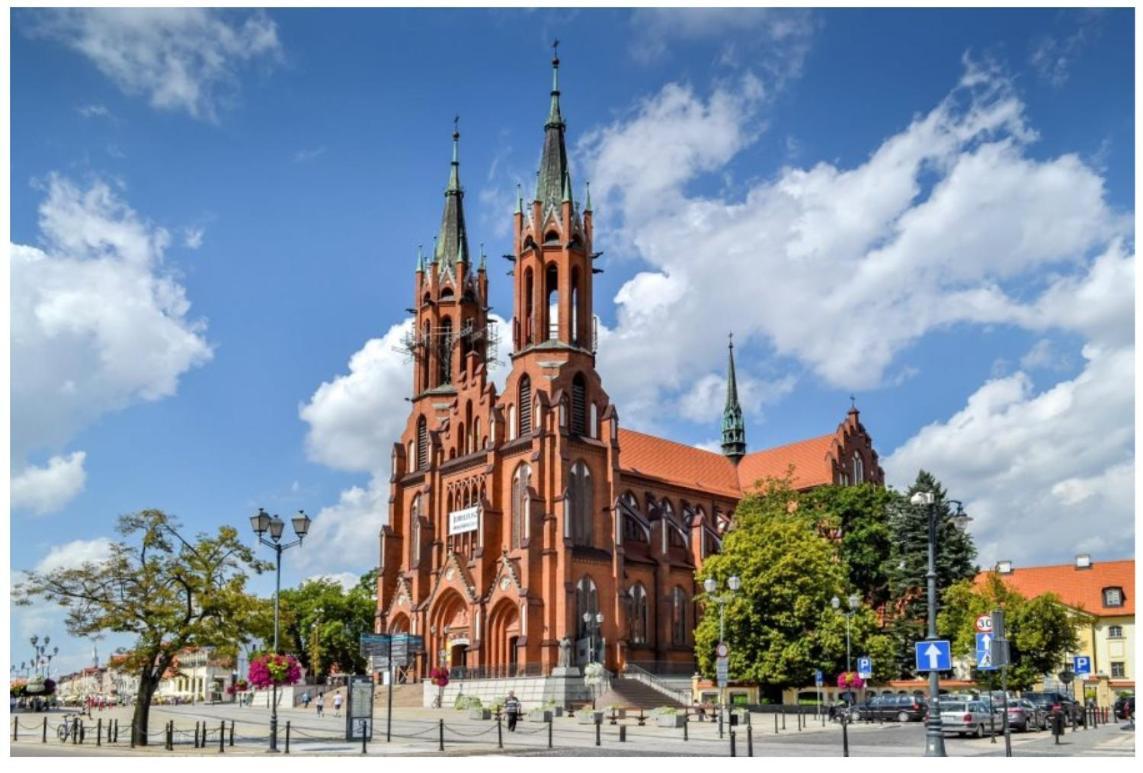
point(965, 718)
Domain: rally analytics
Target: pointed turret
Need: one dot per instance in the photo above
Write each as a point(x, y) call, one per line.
point(420, 259)
point(554, 158)
point(452, 242)
point(733, 426)
point(587, 199)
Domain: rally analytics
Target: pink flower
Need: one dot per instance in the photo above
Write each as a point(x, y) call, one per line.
point(268, 669)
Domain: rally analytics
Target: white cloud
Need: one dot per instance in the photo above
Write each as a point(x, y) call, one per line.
point(345, 535)
point(705, 399)
point(192, 237)
point(347, 580)
point(926, 233)
point(179, 58)
point(1054, 57)
point(97, 322)
point(75, 554)
point(309, 154)
point(47, 489)
point(1043, 474)
point(93, 111)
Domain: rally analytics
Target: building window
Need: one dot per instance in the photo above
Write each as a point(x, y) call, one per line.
point(638, 614)
point(1113, 597)
point(858, 469)
point(1115, 632)
point(415, 537)
point(580, 507)
point(579, 405)
point(1118, 670)
point(520, 503)
point(422, 444)
point(678, 617)
point(525, 400)
point(444, 357)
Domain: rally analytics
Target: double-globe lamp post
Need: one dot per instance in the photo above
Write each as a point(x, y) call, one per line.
point(710, 585)
point(593, 622)
point(264, 523)
point(934, 738)
point(854, 601)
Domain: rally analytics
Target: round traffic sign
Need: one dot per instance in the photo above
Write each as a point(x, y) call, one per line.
point(722, 650)
point(984, 624)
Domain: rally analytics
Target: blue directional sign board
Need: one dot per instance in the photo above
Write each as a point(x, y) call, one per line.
point(984, 652)
point(818, 679)
point(1081, 665)
point(934, 656)
point(865, 667)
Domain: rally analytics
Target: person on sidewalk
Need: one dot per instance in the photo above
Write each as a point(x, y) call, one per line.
point(337, 704)
point(306, 699)
point(320, 702)
point(512, 708)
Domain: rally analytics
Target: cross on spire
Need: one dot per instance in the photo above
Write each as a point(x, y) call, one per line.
point(556, 49)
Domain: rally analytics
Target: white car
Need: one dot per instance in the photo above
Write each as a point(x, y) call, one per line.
point(965, 718)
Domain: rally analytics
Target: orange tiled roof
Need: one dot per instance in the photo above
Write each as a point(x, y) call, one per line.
point(677, 462)
point(1079, 588)
point(810, 459)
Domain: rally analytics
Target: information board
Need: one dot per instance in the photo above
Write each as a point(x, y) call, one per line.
point(461, 521)
point(359, 709)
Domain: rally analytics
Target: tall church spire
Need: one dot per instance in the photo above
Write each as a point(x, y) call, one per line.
point(733, 427)
point(452, 242)
point(554, 158)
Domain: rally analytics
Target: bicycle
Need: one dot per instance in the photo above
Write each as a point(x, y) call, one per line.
point(65, 729)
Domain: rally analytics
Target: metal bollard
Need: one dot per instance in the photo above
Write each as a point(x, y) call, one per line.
point(15, 728)
point(222, 737)
point(733, 751)
point(99, 732)
point(775, 723)
point(45, 739)
point(749, 741)
point(623, 734)
point(499, 732)
point(783, 719)
point(82, 731)
point(232, 733)
point(171, 735)
point(844, 736)
point(364, 737)
point(642, 718)
point(196, 734)
point(287, 736)
point(598, 724)
point(441, 736)
point(549, 733)
point(686, 726)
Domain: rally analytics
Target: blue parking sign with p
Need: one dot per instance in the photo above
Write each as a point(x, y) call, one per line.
point(1081, 665)
point(865, 667)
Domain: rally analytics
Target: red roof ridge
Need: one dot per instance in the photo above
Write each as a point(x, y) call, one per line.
point(625, 430)
point(826, 436)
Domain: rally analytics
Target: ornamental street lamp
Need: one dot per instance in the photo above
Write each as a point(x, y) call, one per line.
point(593, 622)
point(710, 585)
point(934, 739)
point(263, 523)
point(854, 602)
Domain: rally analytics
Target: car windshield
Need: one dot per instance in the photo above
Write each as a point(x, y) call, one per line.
point(954, 706)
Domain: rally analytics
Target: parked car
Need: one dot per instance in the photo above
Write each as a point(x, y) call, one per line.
point(1024, 715)
point(1125, 707)
point(900, 708)
point(1055, 702)
point(965, 718)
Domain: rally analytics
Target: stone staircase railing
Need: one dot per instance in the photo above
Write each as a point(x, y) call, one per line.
point(646, 677)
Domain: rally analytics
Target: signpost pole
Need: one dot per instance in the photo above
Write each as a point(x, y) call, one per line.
point(389, 705)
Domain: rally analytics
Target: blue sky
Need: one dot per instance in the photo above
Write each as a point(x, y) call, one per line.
point(215, 217)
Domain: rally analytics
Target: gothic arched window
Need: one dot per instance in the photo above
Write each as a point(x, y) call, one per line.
point(678, 616)
point(638, 596)
point(422, 444)
point(525, 401)
point(444, 358)
point(858, 469)
point(520, 504)
point(415, 537)
point(580, 505)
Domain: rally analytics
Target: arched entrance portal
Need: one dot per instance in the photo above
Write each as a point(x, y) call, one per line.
point(450, 629)
point(503, 638)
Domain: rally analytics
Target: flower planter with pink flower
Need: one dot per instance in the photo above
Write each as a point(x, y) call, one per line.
point(269, 670)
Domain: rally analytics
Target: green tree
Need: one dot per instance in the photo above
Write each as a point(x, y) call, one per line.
point(1040, 630)
point(169, 592)
point(779, 625)
point(907, 565)
point(859, 515)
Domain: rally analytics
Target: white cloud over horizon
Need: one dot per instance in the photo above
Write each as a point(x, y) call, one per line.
point(179, 58)
point(74, 554)
point(47, 489)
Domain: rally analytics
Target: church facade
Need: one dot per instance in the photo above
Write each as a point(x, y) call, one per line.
point(523, 520)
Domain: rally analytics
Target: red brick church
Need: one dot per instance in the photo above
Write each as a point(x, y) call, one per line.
point(515, 515)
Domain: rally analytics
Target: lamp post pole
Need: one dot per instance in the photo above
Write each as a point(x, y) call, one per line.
point(262, 522)
point(854, 602)
point(934, 738)
point(710, 585)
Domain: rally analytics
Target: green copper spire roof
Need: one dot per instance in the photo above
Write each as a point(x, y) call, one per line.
point(567, 197)
point(452, 241)
point(733, 426)
point(420, 259)
point(554, 157)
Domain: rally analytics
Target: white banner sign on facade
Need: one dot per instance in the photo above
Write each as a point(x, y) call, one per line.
point(461, 521)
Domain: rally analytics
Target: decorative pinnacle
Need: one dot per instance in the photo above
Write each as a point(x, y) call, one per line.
point(460, 250)
point(483, 261)
point(587, 204)
point(554, 118)
point(567, 197)
point(519, 200)
point(433, 255)
point(454, 172)
point(420, 258)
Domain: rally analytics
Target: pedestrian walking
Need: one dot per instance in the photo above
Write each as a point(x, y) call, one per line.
point(337, 704)
point(320, 704)
point(512, 707)
point(306, 699)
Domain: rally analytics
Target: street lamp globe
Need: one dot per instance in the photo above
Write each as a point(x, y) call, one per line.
point(599, 618)
point(710, 584)
point(960, 518)
point(587, 617)
point(277, 525)
point(734, 582)
point(260, 522)
point(854, 601)
point(922, 498)
point(835, 602)
point(301, 523)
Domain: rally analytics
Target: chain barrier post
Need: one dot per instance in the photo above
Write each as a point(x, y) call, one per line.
point(82, 732)
point(99, 732)
point(232, 733)
point(783, 717)
point(598, 724)
point(170, 735)
point(686, 727)
point(222, 737)
point(623, 734)
point(499, 732)
point(844, 736)
point(287, 736)
point(733, 750)
point(441, 746)
point(749, 740)
point(550, 731)
point(775, 723)
point(364, 737)
point(45, 740)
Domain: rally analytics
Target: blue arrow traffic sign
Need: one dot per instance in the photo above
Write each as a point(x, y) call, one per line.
point(933, 656)
point(818, 680)
point(984, 652)
point(865, 667)
point(1081, 665)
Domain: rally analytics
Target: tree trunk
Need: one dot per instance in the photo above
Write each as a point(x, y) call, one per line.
point(147, 686)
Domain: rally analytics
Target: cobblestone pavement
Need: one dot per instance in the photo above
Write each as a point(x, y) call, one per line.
point(418, 732)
